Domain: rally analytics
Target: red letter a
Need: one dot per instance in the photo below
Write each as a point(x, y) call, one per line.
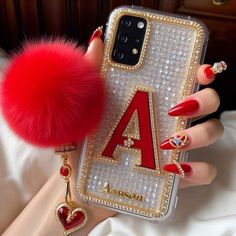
point(138, 114)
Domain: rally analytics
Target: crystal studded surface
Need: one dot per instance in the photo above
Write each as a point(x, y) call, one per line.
point(164, 70)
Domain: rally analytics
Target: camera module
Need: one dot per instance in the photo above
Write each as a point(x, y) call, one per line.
point(129, 40)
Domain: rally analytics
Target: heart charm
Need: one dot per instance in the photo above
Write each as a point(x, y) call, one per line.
point(71, 218)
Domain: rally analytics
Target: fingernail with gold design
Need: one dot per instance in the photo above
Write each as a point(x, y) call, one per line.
point(217, 68)
point(181, 169)
point(96, 34)
point(175, 142)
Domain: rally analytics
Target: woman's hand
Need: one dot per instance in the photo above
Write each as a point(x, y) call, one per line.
point(198, 104)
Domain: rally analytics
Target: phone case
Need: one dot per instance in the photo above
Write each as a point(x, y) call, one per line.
point(124, 172)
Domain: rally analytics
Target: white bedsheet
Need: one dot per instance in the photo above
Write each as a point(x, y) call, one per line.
point(206, 210)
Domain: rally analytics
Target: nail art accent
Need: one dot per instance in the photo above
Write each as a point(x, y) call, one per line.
point(175, 142)
point(217, 68)
point(96, 34)
point(177, 168)
point(184, 108)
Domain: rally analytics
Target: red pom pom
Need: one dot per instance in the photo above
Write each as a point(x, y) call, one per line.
point(51, 94)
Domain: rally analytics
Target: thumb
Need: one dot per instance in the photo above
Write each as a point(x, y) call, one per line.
point(94, 54)
point(95, 49)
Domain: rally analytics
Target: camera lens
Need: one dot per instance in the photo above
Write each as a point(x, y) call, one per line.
point(137, 40)
point(140, 25)
point(123, 38)
point(126, 22)
point(118, 54)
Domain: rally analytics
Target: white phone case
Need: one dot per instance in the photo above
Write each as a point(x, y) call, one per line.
point(122, 178)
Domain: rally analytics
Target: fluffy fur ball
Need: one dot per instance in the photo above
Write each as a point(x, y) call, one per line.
point(51, 94)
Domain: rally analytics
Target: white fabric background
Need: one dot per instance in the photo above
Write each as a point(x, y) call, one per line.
point(206, 210)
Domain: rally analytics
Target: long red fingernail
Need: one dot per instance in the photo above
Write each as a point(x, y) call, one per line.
point(175, 142)
point(209, 73)
point(184, 108)
point(174, 169)
point(96, 34)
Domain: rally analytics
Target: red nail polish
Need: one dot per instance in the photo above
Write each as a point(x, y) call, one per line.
point(175, 142)
point(96, 34)
point(209, 72)
point(184, 108)
point(174, 169)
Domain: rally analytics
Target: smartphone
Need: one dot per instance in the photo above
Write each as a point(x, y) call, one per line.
point(150, 64)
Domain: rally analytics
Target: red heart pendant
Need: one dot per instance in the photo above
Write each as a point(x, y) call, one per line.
point(71, 218)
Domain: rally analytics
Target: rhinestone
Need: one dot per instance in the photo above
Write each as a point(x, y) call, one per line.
point(65, 171)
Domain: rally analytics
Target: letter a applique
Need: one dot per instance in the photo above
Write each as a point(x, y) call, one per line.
point(136, 129)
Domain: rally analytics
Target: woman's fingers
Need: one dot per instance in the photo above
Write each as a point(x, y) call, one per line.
point(95, 48)
point(204, 134)
point(94, 54)
point(206, 73)
point(195, 173)
point(202, 173)
point(205, 101)
point(200, 135)
point(201, 103)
